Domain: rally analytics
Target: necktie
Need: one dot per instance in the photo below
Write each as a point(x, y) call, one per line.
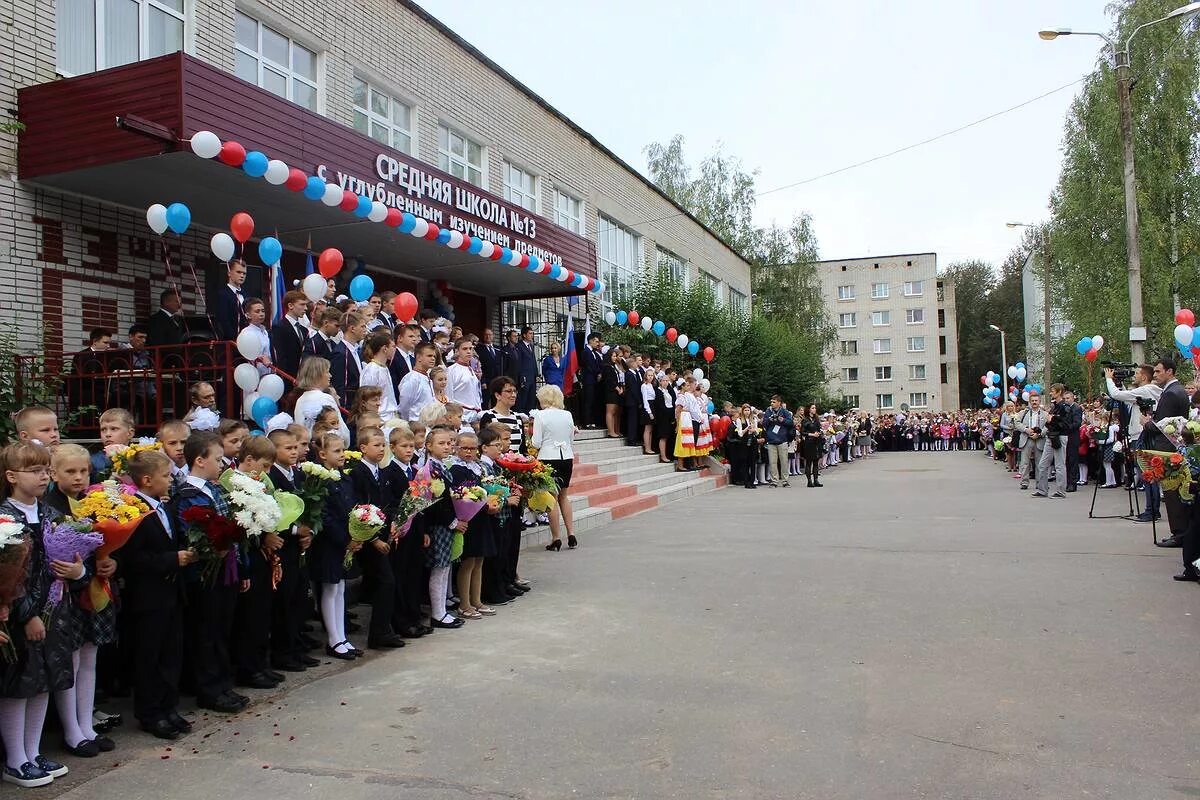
point(300, 332)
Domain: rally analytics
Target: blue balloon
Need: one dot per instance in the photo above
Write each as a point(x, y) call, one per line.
point(270, 250)
point(256, 432)
point(407, 223)
point(535, 264)
point(659, 328)
point(443, 236)
point(577, 281)
point(361, 288)
point(693, 348)
point(1020, 364)
point(622, 317)
point(505, 255)
point(363, 208)
point(556, 270)
point(178, 217)
point(315, 188)
point(255, 164)
point(476, 244)
point(710, 406)
point(1084, 345)
point(262, 410)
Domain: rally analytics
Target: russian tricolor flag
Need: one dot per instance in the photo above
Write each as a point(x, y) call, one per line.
point(571, 357)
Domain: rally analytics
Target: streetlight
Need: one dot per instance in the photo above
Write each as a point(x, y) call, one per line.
point(1045, 297)
point(1137, 328)
point(1003, 356)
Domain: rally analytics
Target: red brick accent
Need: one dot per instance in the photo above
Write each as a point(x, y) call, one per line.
point(51, 248)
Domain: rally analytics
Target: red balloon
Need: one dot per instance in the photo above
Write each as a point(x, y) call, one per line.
point(497, 253)
point(349, 200)
point(296, 180)
point(242, 226)
point(709, 355)
point(394, 218)
point(634, 318)
point(466, 243)
point(524, 262)
point(232, 154)
point(672, 335)
point(1091, 354)
point(433, 232)
point(1184, 316)
point(405, 306)
point(329, 262)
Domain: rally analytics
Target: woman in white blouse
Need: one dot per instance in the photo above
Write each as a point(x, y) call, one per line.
point(312, 382)
point(376, 353)
point(553, 433)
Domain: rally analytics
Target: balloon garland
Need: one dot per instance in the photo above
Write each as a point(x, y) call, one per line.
point(255, 164)
point(1187, 335)
point(659, 328)
point(992, 380)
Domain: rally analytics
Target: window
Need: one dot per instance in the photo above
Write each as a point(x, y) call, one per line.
point(883, 400)
point(879, 291)
point(941, 292)
point(850, 400)
point(521, 187)
point(265, 57)
point(849, 320)
point(881, 318)
point(675, 266)
point(914, 288)
point(619, 252)
point(942, 346)
point(849, 347)
point(737, 303)
point(382, 117)
point(883, 345)
point(916, 344)
point(845, 293)
point(461, 156)
point(918, 400)
point(98, 34)
point(568, 211)
point(941, 317)
point(883, 373)
point(916, 372)
point(714, 284)
point(945, 374)
point(849, 374)
point(914, 316)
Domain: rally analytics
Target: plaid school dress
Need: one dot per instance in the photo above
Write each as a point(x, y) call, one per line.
point(438, 518)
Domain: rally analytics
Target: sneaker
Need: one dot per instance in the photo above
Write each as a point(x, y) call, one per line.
point(51, 768)
point(1060, 495)
point(1038, 494)
point(28, 776)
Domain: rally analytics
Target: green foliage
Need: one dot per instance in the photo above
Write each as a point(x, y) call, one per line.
point(983, 298)
point(25, 380)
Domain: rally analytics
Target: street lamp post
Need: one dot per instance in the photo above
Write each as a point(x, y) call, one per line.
point(1047, 381)
point(1003, 358)
point(1137, 327)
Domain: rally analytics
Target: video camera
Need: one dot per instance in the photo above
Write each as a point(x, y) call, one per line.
point(1121, 372)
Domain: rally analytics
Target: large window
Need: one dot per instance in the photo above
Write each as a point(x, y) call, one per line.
point(941, 317)
point(521, 187)
point(620, 254)
point(265, 57)
point(850, 400)
point(916, 372)
point(914, 288)
point(881, 346)
point(879, 291)
point(568, 211)
point(98, 34)
point(845, 293)
point(737, 302)
point(883, 400)
point(460, 155)
point(883, 373)
point(914, 316)
point(916, 344)
point(849, 347)
point(849, 320)
point(849, 374)
point(381, 116)
point(881, 318)
point(942, 346)
point(714, 283)
point(675, 266)
point(918, 400)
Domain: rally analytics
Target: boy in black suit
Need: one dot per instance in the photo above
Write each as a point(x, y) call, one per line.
point(324, 341)
point(287, 650)
point(290, 334)
point(370, 483)
point(229, 318)
point(407, 556)
point(150, 564)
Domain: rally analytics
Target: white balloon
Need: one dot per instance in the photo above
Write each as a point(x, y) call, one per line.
point(378, 212)
point(206, 144)
point(246, 377)
point(486, 249)
point(647, 323)
point(420, 228)
point(277, 172)
point(698, 373)
point(314, 286)
point(1012, 372)
point(332, 196)
point(249, 345)
point(248, 403)
point(515, 259)
point(271, 386)
point(562, 275)
point(704, 384)
point(682, 341)
point(1025, 396)
point(156, 217)
point(1021, 373)
point(222, 246)
point(1097, 342)
point(610, 317)
point(456, 240)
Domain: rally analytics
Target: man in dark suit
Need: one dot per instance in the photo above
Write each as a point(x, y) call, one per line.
point(427, 318)
point(387, 302)
point(324, 341)
point(229, 318)
point(407, 339)
point(593, 369)
point(527, 374)
point(510, 362)
point(631, 399)
point(1074, 422)
point(289, 335)
point(1173, 402)
point(345, 364)
point(491, 358)
point(166, 326)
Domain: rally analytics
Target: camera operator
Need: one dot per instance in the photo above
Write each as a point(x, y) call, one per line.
point(1029, 439)
point(1143, 395)
point(1173, 402)
point(1057, 422)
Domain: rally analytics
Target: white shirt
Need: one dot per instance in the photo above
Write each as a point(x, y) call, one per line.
point(309, 406)
point(355, 353)
point(463, 387)
point(416, 392)
point(200, 484)
point(378, 375)
point(647, 397)
point(553, 432)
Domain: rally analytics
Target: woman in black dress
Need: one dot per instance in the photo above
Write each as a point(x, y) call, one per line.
point(613, 379)
point(664, 417)
point(812, 445)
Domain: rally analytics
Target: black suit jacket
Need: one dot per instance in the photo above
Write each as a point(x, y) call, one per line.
point(366, 489)
point(491, 362)
point(149, 564)
point(388, 320)
point(633, 389)
point(399, 367)
point(343, 373)
point(318, 346)
point(164, 329)
point(1174, 402)
point(512, 362)
point(229, 318)
point(593, 366)
point(286, 345)
point(280, 481)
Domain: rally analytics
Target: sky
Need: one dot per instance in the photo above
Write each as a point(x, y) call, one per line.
point(797, 89)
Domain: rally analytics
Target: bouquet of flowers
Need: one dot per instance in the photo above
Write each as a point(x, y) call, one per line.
point(120, 459)
point(515, 462)
point(114, 512)
point(351, 457)
point(468, 501)
point(497, 487)
point(365, 522)
point(66, 541)
point(255, 509)
point(423, 492)
point(1171, 471)
point(213, 537)
point(313, 490)
point(14, 557)
point(536, 480)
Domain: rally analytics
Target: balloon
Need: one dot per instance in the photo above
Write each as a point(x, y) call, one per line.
point(378, 212)
point(1183, 335)
point(672, 334)
point(1021, 372)
point(647, 323)
point(709, 355)
point(622, 317)
point(1097, 342)
point(405, 306)
point(996, 379)
point(222, 246)
point(314, 188)
point(659, 328)
point(1085, 344)
point(704, 384)
point(556, 270)
point(634, 317)
point(242, 226)
point(232, 154)
point(332, 195)
point(329, 263)
point(476, 245)
point(178, 217)
point(363, 207)
point(1012, 372)
point(206, 144)
point(248, 344)
point(246, 377)
point(270, 250)
point(1183, 316)
point(456, 240)
point(693, 348)
point(710, 406)
point(434, 232)
point(297, 181)
point(393, 218)
point(1025, 396)
point(983, 379)
point(156, 218)
point(277, 172)
point(248, 403)
point(1091, 355)
point(420, 227)
point(443, 237)
point(486, 249)
point(271, 386)
point(682, 341)
point(361, 288)
point(314, 286)
point(697, 373)
point(255, 164)
point(262, 409)
point(610, 317)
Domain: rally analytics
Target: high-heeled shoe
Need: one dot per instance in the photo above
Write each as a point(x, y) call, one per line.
point(572, 542)
point(556, 545)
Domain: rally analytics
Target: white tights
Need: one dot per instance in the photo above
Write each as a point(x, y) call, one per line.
point(1110, 477)
point(439, 581)
point(333, 614)
point(75, 705)
point(21, 724)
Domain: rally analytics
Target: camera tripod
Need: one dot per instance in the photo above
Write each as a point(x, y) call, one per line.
point(1129, 462)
